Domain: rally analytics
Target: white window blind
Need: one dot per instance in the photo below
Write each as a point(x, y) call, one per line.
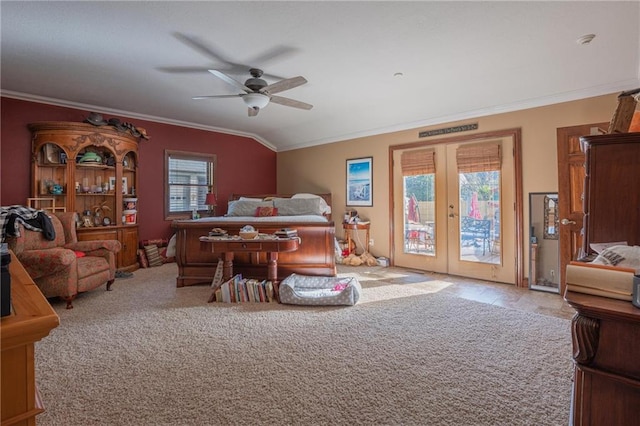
point(189, 180)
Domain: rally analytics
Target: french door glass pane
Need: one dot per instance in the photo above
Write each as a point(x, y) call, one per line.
point(480, 217)
point(419, 214)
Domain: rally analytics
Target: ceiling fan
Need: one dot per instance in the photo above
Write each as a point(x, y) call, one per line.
point(257, 94)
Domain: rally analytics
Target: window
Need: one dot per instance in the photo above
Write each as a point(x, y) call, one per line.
point(189, 177)
point(418, 174)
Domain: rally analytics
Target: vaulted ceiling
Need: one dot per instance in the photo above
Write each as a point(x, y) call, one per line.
point(372, 67)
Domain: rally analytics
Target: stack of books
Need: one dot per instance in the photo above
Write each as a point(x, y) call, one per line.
point(286, 233)
point(239, 290)
point(600, 280)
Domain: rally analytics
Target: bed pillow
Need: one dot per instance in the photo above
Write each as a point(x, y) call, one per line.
point(266, 211)
point(245, 207)
point(250, 199)
point(324, 207)
point(171, 247)
point(297, 206)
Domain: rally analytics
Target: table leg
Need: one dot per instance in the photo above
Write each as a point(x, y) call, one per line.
point(227, 266)
point(348, 233)
point(272, 273)
point(367, 239)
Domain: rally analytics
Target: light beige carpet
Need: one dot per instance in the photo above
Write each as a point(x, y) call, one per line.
point(148, 353)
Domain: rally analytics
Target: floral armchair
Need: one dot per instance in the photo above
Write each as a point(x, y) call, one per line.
point(65, 266)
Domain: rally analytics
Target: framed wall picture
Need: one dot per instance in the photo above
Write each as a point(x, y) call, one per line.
point(359, 182)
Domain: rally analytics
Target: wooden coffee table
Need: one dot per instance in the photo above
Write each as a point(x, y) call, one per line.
point(230, 245)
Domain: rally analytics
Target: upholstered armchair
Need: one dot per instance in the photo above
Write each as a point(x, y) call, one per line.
point(65, 266)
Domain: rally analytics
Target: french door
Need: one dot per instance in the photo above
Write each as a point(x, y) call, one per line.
point(454, 208)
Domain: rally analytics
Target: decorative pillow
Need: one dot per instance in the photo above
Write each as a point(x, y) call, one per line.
point(266, 211)
point(623, 256)
point(245, 208)
point(142, 259)
point(297, 206)
point(153, 255)
point(324, 207)
point(171, 247)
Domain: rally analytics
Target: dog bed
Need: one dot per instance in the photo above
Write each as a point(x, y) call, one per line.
point(308, 290)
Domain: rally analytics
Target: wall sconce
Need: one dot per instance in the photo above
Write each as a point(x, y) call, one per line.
point(211, 203)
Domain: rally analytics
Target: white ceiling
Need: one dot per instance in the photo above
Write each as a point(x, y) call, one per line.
point(459, 60)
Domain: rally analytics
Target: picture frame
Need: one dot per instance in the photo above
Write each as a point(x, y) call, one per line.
point(125, 187)
point(360, 182)
point(51, 154)
point(551, 221)
point(112, 183)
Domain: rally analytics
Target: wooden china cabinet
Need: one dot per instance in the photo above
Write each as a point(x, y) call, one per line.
point(88, 168)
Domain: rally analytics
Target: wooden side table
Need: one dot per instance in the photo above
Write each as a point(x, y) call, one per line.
point(355, 227)
point(229, 245)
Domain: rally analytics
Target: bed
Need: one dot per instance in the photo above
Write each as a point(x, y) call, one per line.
point(309, 214)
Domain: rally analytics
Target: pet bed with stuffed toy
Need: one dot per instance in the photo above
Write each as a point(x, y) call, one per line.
point(307, 290)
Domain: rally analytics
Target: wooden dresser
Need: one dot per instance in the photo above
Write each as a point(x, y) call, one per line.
point(31, 320)
point(606, 352)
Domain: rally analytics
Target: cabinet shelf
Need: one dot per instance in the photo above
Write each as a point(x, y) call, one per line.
point(95, 166)
point(53, 165)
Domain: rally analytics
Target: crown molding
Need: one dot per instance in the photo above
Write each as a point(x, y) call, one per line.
point(102, 110)
point(483, 112)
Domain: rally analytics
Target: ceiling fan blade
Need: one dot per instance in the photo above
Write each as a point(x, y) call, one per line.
point(183, 70)
point(198, 45)
point(280, 52)
point(286, 84)
point(215, 96)
point(235, 83)
point(230, 66)
point(290, 102)
point(253, 111)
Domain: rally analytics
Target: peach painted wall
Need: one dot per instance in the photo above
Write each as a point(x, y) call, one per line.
point(540, 172)
point(244, 164)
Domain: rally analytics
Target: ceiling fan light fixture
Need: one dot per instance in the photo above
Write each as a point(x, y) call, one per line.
point(256, 100)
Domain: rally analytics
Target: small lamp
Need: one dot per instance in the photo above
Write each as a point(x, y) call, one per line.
point(211, 203)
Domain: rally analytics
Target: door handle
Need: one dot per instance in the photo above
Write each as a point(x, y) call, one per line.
point(567, 222)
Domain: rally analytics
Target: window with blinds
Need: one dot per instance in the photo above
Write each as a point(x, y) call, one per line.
point(189, 178)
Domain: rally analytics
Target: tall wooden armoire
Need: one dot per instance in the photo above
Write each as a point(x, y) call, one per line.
point(611, 189)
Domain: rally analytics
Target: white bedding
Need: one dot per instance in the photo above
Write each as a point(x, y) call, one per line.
point(266, 219)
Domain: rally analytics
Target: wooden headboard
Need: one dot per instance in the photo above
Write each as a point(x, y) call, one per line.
point(325, 197)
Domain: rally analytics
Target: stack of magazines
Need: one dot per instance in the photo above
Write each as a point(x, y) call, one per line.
point(286, 233)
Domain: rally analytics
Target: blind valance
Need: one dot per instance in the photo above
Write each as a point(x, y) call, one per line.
point(419, 162)
point(483, 157)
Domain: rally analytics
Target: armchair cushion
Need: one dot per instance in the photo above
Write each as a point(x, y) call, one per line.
point(40, 263)
point(88, 246)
